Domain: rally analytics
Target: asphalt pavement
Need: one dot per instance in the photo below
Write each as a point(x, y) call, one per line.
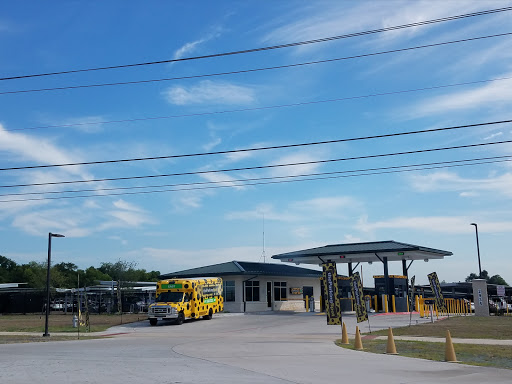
point(231, 348)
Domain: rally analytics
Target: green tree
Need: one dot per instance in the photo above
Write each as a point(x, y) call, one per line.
point(496, 279)
point(7, 266)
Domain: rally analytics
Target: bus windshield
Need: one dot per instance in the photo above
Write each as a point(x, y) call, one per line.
point(170, 297)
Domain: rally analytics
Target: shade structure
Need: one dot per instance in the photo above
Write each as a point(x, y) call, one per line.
point(362, 253)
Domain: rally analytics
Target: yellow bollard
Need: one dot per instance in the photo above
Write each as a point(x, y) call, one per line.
point(385, 303)
point(358, 343)
point(344, 335)
point(393, 305)
point(449, 352)
point(421, 307)
point(417, 303)
point(307, 303)
point(390, 347)
point(376, 300)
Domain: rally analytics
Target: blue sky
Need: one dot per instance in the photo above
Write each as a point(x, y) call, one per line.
point(174, 230)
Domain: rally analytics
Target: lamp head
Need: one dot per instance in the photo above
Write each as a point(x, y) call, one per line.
point(56, 235)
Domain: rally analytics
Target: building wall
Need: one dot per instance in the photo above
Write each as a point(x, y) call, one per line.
point(293, 302)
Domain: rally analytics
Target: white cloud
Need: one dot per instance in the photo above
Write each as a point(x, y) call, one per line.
point(496, 95)
point(449, 181)
point(210, 92)
point(64, 221)
point(87, 124)
point(188, 48)
point(298, 157)
point(301, 211)
point(337, 18)
point(126, 216)
point(435, 224)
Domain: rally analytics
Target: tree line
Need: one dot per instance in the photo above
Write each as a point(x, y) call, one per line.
point(495, 279)
point(66, 275)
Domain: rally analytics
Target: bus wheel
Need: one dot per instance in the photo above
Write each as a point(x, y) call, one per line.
point(153, 321)
point(209, 315)
point(180, 319)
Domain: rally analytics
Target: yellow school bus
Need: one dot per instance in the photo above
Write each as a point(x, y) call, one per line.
point(178, 299)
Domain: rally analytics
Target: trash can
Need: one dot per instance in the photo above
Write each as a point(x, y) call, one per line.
point(75, 321)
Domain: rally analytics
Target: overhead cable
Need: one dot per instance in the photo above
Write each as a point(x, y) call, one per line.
point(253, 69)
point(481, 160)
point(298, 104)
point(257, 148)
point(287, 45)
point(232, 185)
point(264, 166)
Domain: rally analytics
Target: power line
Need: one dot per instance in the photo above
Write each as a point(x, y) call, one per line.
point(366, 173)
point(482, 160)
point(263, 107)
point(253, 69)
point(263, 166)
point(252, 50)
point(256, 149)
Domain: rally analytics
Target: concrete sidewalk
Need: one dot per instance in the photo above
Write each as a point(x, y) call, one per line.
point(442, 340)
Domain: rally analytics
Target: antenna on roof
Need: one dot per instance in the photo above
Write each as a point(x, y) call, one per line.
point(263, 256)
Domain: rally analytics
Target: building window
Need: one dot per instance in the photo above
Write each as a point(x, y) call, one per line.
point(280, 291)
point(252, 290)
point(229, 290)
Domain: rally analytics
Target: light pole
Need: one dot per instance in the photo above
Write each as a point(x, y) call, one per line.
point(50, 235)
point(478, 250)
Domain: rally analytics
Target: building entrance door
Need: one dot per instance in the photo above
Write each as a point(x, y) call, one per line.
point(269, 294)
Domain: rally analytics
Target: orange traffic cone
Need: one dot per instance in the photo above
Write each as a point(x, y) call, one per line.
point(358, 344)
point(449, 352)
point(390, 348)
point(344, 335)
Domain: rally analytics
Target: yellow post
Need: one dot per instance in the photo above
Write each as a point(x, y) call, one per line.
point(408, 309)
point(417, 303)
point(376, 300)
point(385, 303)
point(393, 305)
point(421, 307)
point(307, 303)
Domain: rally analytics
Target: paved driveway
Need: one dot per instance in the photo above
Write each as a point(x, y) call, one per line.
point(231, 348)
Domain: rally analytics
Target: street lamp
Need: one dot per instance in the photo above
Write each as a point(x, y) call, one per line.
point(478, 250)
point(50, 235)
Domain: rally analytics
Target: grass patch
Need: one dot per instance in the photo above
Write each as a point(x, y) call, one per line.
point(465, 327)
point(13, 339)
point(483, 355)
point(60, 322)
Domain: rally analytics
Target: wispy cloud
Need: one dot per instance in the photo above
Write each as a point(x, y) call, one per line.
point(189, 48)
point(449, 181)
point(210, 92)
point(336, 18)
point(495, 96)
point(436, 224)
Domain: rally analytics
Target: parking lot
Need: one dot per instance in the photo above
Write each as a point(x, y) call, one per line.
point(231, 348)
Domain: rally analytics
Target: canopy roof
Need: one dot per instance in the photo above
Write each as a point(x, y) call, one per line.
point(244, 268)
point(362, 252)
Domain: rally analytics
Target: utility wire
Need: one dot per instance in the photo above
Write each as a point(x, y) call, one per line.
point(263, 166)
point(482, 160)
point(255, 69)
point(288, 45)
point(263, 107)
point(366, 173)
point(258, 148)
